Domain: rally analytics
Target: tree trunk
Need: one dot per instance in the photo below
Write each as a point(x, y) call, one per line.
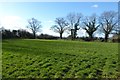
point(34, 35)
point(60, 35)
point(75, 34)
point(72, 34)
point(91, 36)
point(106, 37)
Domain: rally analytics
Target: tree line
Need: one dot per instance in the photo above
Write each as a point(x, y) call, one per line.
point(23, 34)
point(106, 23)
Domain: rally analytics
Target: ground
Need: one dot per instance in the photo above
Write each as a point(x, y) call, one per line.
point(59, 59)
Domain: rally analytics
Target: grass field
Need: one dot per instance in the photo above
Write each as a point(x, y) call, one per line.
point(0, 58)
point(59, 59)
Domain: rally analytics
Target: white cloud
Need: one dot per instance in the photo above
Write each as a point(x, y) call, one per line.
point(13, 22)
point(95, 6)
point(50, 21)
point(46, 30)
point(82, 33)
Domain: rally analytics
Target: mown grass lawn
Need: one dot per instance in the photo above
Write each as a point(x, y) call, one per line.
point(59, 59)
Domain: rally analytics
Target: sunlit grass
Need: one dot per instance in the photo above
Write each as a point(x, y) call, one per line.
point(59, 59)
point(0, 59)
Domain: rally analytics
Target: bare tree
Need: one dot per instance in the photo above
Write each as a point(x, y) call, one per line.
point(108, 21)
point(90, 25)
point(74, 21)
point(34, 25)
point(60, 27)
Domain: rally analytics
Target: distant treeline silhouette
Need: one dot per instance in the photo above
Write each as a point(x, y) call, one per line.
point(23, 34)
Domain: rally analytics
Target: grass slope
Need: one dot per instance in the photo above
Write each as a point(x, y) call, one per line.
point(0, 59)
point(59, 59)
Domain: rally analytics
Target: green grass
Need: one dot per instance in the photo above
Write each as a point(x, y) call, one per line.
point(0, 59)
point(59, 59)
